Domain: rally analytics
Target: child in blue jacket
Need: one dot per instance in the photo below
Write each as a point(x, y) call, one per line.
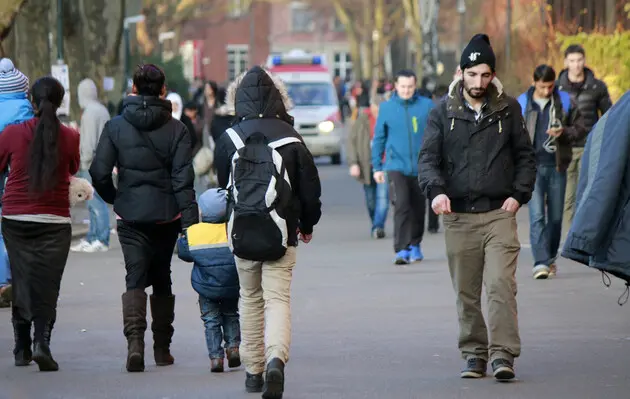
point(215, 279)
point(16, 108)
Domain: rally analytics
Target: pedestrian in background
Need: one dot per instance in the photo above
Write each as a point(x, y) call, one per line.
point(477, 165)
point(43, 155)
point(154, 201)
point(360, 160)
point(554, 123)
point(16, 108)
point(93, 119)
point(214, 278)
point(592, 99)
point(397, 141)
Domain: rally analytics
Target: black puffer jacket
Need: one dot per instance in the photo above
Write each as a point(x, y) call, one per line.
point(260, 103)
point(477, 164)
point(150, 189)
point(591, 97)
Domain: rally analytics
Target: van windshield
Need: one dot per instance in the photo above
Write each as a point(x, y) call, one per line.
point(312, 94)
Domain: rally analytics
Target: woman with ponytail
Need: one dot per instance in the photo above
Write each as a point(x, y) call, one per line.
point(42, 154)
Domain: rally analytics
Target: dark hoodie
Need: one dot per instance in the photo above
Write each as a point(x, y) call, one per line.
point(591, 97)
point(260, 103)
point(153, 187)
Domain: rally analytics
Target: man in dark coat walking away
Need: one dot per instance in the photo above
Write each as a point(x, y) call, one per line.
point(154, 201)
point(260, 103)
point(592, 99)
point(600, 231)
point(477, 166)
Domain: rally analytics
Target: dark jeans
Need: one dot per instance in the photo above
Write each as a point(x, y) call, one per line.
point(545, 214)
point(409, 210)
point(217, 315)
point(148, 249)
point(434, 220)
point(377, 202)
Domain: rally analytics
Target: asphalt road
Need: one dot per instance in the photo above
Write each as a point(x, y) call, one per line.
point(362, 328)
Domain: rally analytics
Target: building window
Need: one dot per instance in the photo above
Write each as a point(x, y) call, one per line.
point(236, 8)
point(343, 64)
point(238, 61)
point(336, 25)
point(301, 17)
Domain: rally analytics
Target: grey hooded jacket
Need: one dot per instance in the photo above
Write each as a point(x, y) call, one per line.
point(93, 120)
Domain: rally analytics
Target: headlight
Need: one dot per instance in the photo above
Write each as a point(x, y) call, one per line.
point(326, 127)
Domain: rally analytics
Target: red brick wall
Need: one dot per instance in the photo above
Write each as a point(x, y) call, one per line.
point(220, 31)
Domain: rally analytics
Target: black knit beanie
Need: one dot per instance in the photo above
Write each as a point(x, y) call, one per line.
point(477, 52)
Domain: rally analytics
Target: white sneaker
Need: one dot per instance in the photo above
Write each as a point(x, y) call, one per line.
point(82, 246)
point(541, 272)
point(97, 246)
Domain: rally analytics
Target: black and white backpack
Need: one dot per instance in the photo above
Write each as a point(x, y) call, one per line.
point(259, 194)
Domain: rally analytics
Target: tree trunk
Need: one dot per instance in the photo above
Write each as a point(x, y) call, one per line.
point(412, 13)
point(353, 37)
point(367, 42)
point(92, 38)
point(8, 12)
point(28, 42)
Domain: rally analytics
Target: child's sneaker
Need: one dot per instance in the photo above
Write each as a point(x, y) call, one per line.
point(233, 357)
point(415, 253)
point(216, 365)
point(402, 257)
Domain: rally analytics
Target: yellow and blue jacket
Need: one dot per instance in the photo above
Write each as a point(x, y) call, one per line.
point(214, 273)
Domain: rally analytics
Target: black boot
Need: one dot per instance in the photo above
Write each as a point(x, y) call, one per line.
point(22, 334)
point(163, 314)
point(41, 346)
point(134, 325)
point(274, 379)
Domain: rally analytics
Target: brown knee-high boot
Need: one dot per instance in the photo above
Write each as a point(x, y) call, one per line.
point(134, 325)
point(163, 314)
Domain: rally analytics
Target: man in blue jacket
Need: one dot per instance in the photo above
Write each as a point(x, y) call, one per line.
point(397, 141)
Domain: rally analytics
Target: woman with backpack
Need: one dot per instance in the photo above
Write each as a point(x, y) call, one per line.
point(43, 155)
point(154, 200)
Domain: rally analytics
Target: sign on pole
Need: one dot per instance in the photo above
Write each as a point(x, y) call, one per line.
point(60, 72)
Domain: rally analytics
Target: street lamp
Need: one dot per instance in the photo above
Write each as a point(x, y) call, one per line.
point(128, 21)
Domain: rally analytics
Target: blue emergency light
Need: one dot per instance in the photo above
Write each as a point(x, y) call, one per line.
point(296, 60)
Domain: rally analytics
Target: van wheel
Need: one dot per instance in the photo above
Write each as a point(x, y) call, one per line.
point(336, 159)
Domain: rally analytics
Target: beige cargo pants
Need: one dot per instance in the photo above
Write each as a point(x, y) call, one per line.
point(265, 310)
point(570, 196)
point(483, 249)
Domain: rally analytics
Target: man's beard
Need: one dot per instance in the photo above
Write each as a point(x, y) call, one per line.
point(475, 92)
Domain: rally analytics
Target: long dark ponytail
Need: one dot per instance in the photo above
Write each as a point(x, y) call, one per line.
point(43, 166)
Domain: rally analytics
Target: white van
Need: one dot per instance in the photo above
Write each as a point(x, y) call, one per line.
point(315, 103)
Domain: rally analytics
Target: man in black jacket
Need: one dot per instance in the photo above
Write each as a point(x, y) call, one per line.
point(260, 102)
point(477, 166)
point(592, 99)
point(154, 201)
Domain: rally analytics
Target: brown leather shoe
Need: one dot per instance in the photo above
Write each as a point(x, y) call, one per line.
point(216, 365)
point(234, 358)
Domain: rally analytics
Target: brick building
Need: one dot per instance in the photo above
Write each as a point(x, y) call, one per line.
point(295, 25)
point(229, 38)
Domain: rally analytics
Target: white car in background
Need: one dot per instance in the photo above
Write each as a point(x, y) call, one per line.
point(315, 103)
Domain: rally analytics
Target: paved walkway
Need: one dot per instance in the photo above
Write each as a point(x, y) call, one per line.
point(362, 327)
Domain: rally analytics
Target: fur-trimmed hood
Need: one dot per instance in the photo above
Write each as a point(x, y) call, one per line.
point(258, 93)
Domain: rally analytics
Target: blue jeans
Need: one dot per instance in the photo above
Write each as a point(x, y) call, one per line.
point(545, 214)
point(217, 315)
point(99, 215)
point(5, 269)
point(377, 201)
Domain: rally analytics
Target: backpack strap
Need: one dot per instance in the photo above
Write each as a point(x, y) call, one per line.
point(277, 158)
point(282, 142)
point(236, 139)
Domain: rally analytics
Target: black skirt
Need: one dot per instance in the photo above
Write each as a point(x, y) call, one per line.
point(37, 255)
